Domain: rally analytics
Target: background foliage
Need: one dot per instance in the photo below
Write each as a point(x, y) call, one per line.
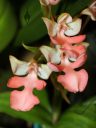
point(20, 22)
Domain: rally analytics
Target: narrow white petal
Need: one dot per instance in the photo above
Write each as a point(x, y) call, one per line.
point(44, 2)
point(18, 67)
point(89, 13)
point(64, 17)
point(44, 71)
point(51, 26)
point(51, 54)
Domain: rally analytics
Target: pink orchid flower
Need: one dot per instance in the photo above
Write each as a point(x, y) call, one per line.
point(74, 81)
point(25, 100)
point(62, 31)
point(49, 2)
point(74, 57)
point(66, 61)
point(65, 25)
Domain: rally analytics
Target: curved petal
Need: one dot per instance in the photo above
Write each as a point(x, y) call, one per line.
point(64, 18)
point(88, 12)
point(53, 67)
point(16, 81)
point(51, 54)
point(51, 26)
point(23, 100)
point(69, 81)
point(62, 39)
point(19, 67)
point(44, 71)
point(79, 62)
point(73, 81)
point(73, 27)
point(83, 79)
point(44, 2)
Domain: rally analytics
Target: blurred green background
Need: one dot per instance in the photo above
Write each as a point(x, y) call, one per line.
point(20, 22)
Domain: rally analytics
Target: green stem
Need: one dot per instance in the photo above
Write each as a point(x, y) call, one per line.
point(46, 11)
point(57, 103)
point(60, 88)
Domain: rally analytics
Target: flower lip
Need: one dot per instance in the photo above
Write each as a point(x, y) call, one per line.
point(25, 100)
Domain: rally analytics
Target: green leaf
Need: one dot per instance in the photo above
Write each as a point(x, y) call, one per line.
point(44, 101)
point(76, 6)
point(31, 49)
point(82, 115)
point(8, 24)
point(33, 27)
point(75, 121)
point(36, 115)
point(2, 7)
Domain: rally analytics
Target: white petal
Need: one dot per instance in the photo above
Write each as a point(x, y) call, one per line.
point(74, 27)
point(51, 26)
point(44, 2)
point(51, 54)
point(44, 71)
point(85, 44)
point(89, 13)
point(19, 67)
point(64, 17)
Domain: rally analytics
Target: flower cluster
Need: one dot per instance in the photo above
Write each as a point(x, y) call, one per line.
point(68, 52)
point(65, 55)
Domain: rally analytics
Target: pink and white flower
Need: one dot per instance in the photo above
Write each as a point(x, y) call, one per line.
point(66, 60)
point(65, 25)
point(25, 100)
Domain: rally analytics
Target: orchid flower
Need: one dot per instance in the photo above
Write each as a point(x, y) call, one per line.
point(25, 100)
point(59, 58)
point(49, 2)
point(65, 27)
point(66, 61)
point(65, 23)
point(90, 11)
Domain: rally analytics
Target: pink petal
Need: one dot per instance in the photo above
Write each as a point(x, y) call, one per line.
point(34, 82)
point(53, 2)
point(23, 100)
point(73, 81)
point(53, 67)
point(15, 82)
point(30, 81)
point(40, 84)
point(69, 81)
point(83, 79)
point(64, 39)
point(79, 48)
point(79, 62)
